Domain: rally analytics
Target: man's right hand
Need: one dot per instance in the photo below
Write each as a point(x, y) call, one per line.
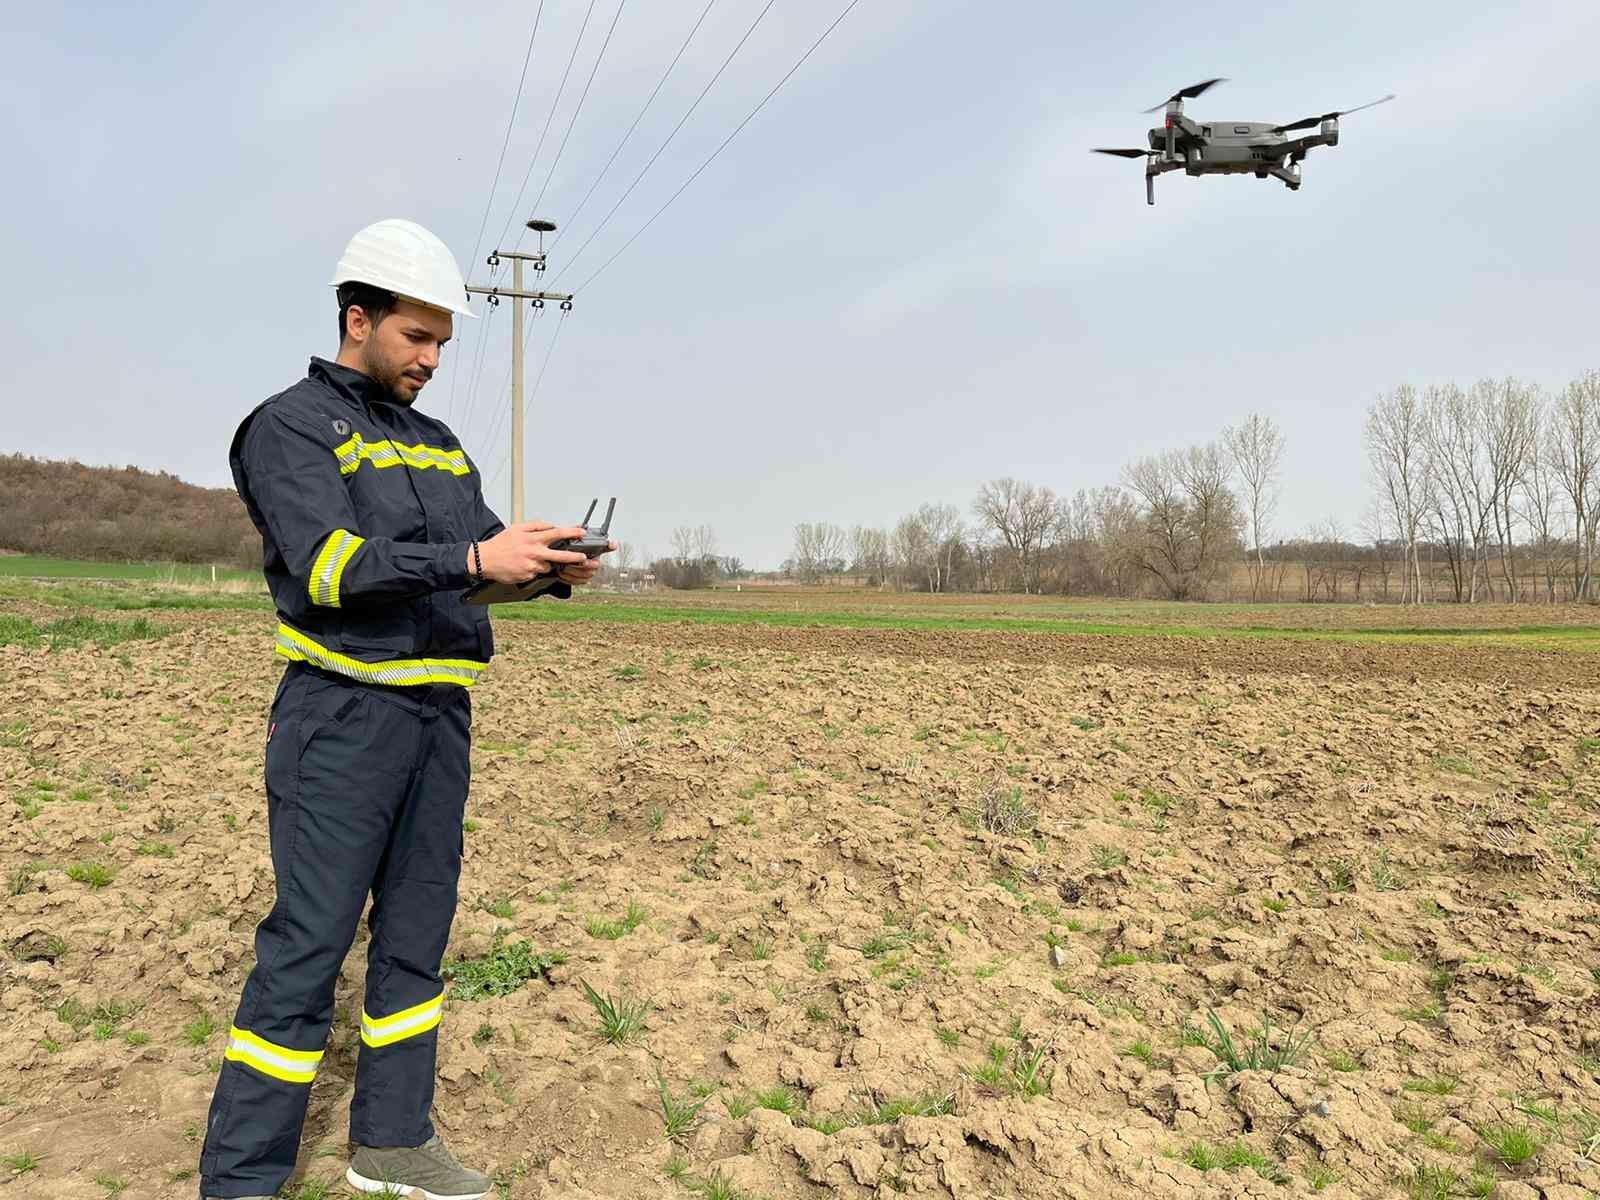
point(522, 552)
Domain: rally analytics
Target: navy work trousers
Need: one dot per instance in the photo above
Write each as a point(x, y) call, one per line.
point(366, 791)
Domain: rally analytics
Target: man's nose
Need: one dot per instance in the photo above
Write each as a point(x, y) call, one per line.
point(430, 357)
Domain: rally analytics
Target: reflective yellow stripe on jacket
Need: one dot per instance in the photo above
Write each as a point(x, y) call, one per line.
point(298, 647)
point(386, 453)
point(280, 1062)
point(419, 1018)
point(337, 550)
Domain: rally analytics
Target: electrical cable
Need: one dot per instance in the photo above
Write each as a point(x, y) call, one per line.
point(719, 149)
point(660, 83)
point(495, 186)
point(517, 203)
point(589, 83)
point(607, 218)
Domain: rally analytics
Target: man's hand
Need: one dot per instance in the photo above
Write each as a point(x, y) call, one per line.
point(522, 552)
point(581, 573)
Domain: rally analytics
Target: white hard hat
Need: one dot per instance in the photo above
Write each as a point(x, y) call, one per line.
point(404, 258)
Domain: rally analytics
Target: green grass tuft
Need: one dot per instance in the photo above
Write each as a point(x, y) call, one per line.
point(1258, 1054)
point(1513, 1145)
point(621, 1017)
point(599, 927)
point(96, 875)
point(499, 973)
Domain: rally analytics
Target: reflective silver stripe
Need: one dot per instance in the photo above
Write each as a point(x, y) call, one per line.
point(329, 566)
point(385, 453)
point(280, 1062)
point(380, 1031)
point(299, 647)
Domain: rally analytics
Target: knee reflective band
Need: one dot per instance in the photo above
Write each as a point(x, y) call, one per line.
point(380, 1031)
point(298, 647)
point(337, 550)
point(280, 1062)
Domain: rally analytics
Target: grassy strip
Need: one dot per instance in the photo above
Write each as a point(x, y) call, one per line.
point(132, 596)
point(35, 566)
point(121, 597)
point(74, 631)
point(606, 610)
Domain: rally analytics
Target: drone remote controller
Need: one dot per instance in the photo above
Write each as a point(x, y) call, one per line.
point(592, 544)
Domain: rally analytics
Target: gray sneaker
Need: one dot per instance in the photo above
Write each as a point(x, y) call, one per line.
point(428, 1169)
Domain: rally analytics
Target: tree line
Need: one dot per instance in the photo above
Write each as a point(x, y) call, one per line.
point(1499, 482)
point(110, 514)
point(1490, 491)
point(1485, 492)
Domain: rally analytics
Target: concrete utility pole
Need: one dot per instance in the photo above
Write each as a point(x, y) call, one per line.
point(517, 297)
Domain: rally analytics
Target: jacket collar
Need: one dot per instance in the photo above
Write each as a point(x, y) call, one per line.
point(350, 385)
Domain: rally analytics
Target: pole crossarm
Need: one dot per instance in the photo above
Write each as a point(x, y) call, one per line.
point(499, 254)
point(518, 294)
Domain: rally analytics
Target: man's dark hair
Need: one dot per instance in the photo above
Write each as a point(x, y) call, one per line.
point(377, 303)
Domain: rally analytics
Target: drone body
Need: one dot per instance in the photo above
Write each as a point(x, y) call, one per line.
point(1254, 148)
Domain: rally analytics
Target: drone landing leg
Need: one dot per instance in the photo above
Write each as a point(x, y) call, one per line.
point(1150, 189)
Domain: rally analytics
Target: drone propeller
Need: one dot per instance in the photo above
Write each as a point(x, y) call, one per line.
point(1188, 93)
point(1308, 122)
point(1125, 153)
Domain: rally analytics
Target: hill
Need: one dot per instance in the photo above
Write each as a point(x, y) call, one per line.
point(120, 514)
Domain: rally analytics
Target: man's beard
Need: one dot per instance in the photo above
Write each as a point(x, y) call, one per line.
point(389, 375)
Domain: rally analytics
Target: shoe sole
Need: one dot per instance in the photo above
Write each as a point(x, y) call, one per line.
point(357, 1180)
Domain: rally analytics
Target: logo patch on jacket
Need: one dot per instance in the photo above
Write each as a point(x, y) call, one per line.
point(342, 428)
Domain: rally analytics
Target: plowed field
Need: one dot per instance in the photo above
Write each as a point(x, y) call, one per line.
point(934, 913)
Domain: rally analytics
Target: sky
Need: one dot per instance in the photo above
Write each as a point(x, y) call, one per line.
point(905, 276)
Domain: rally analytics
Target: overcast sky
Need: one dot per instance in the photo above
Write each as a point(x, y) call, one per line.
point(905, 276)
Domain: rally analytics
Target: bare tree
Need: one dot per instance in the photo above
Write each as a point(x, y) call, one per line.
point(1541, 499)
point(945, 535)
point(1256, 448)
point(683, 545)
point(1453, 435)
point(1190, 520)
point(1574, 453)
point(621, 562)
point(1203, 472)
point(1021, 514)
point(1509, 433)
point(1396, 451)
point(869, 554)
point(1376, 529)
point(705, 542)
point(818, 550)
point(914, 550)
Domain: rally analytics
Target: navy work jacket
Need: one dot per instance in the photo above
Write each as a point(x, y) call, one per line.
point(367, 510)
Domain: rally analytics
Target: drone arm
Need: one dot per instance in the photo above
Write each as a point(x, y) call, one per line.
point(1294, 149)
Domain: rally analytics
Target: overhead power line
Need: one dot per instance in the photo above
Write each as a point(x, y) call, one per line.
point(604, 221)
point(842, 15)
point(660, 83)
point(477, 245)
point(516, 205)
point(532, 162)
point(494, 187)
point(561, 148)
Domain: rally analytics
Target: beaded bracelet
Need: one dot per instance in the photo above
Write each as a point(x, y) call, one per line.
point(477, 563)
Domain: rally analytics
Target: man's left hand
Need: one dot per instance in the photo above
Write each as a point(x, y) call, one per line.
point(579, 574)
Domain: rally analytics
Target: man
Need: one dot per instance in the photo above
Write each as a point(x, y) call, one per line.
point(372, 523)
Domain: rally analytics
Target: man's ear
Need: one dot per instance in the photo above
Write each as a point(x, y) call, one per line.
point(357, 328)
